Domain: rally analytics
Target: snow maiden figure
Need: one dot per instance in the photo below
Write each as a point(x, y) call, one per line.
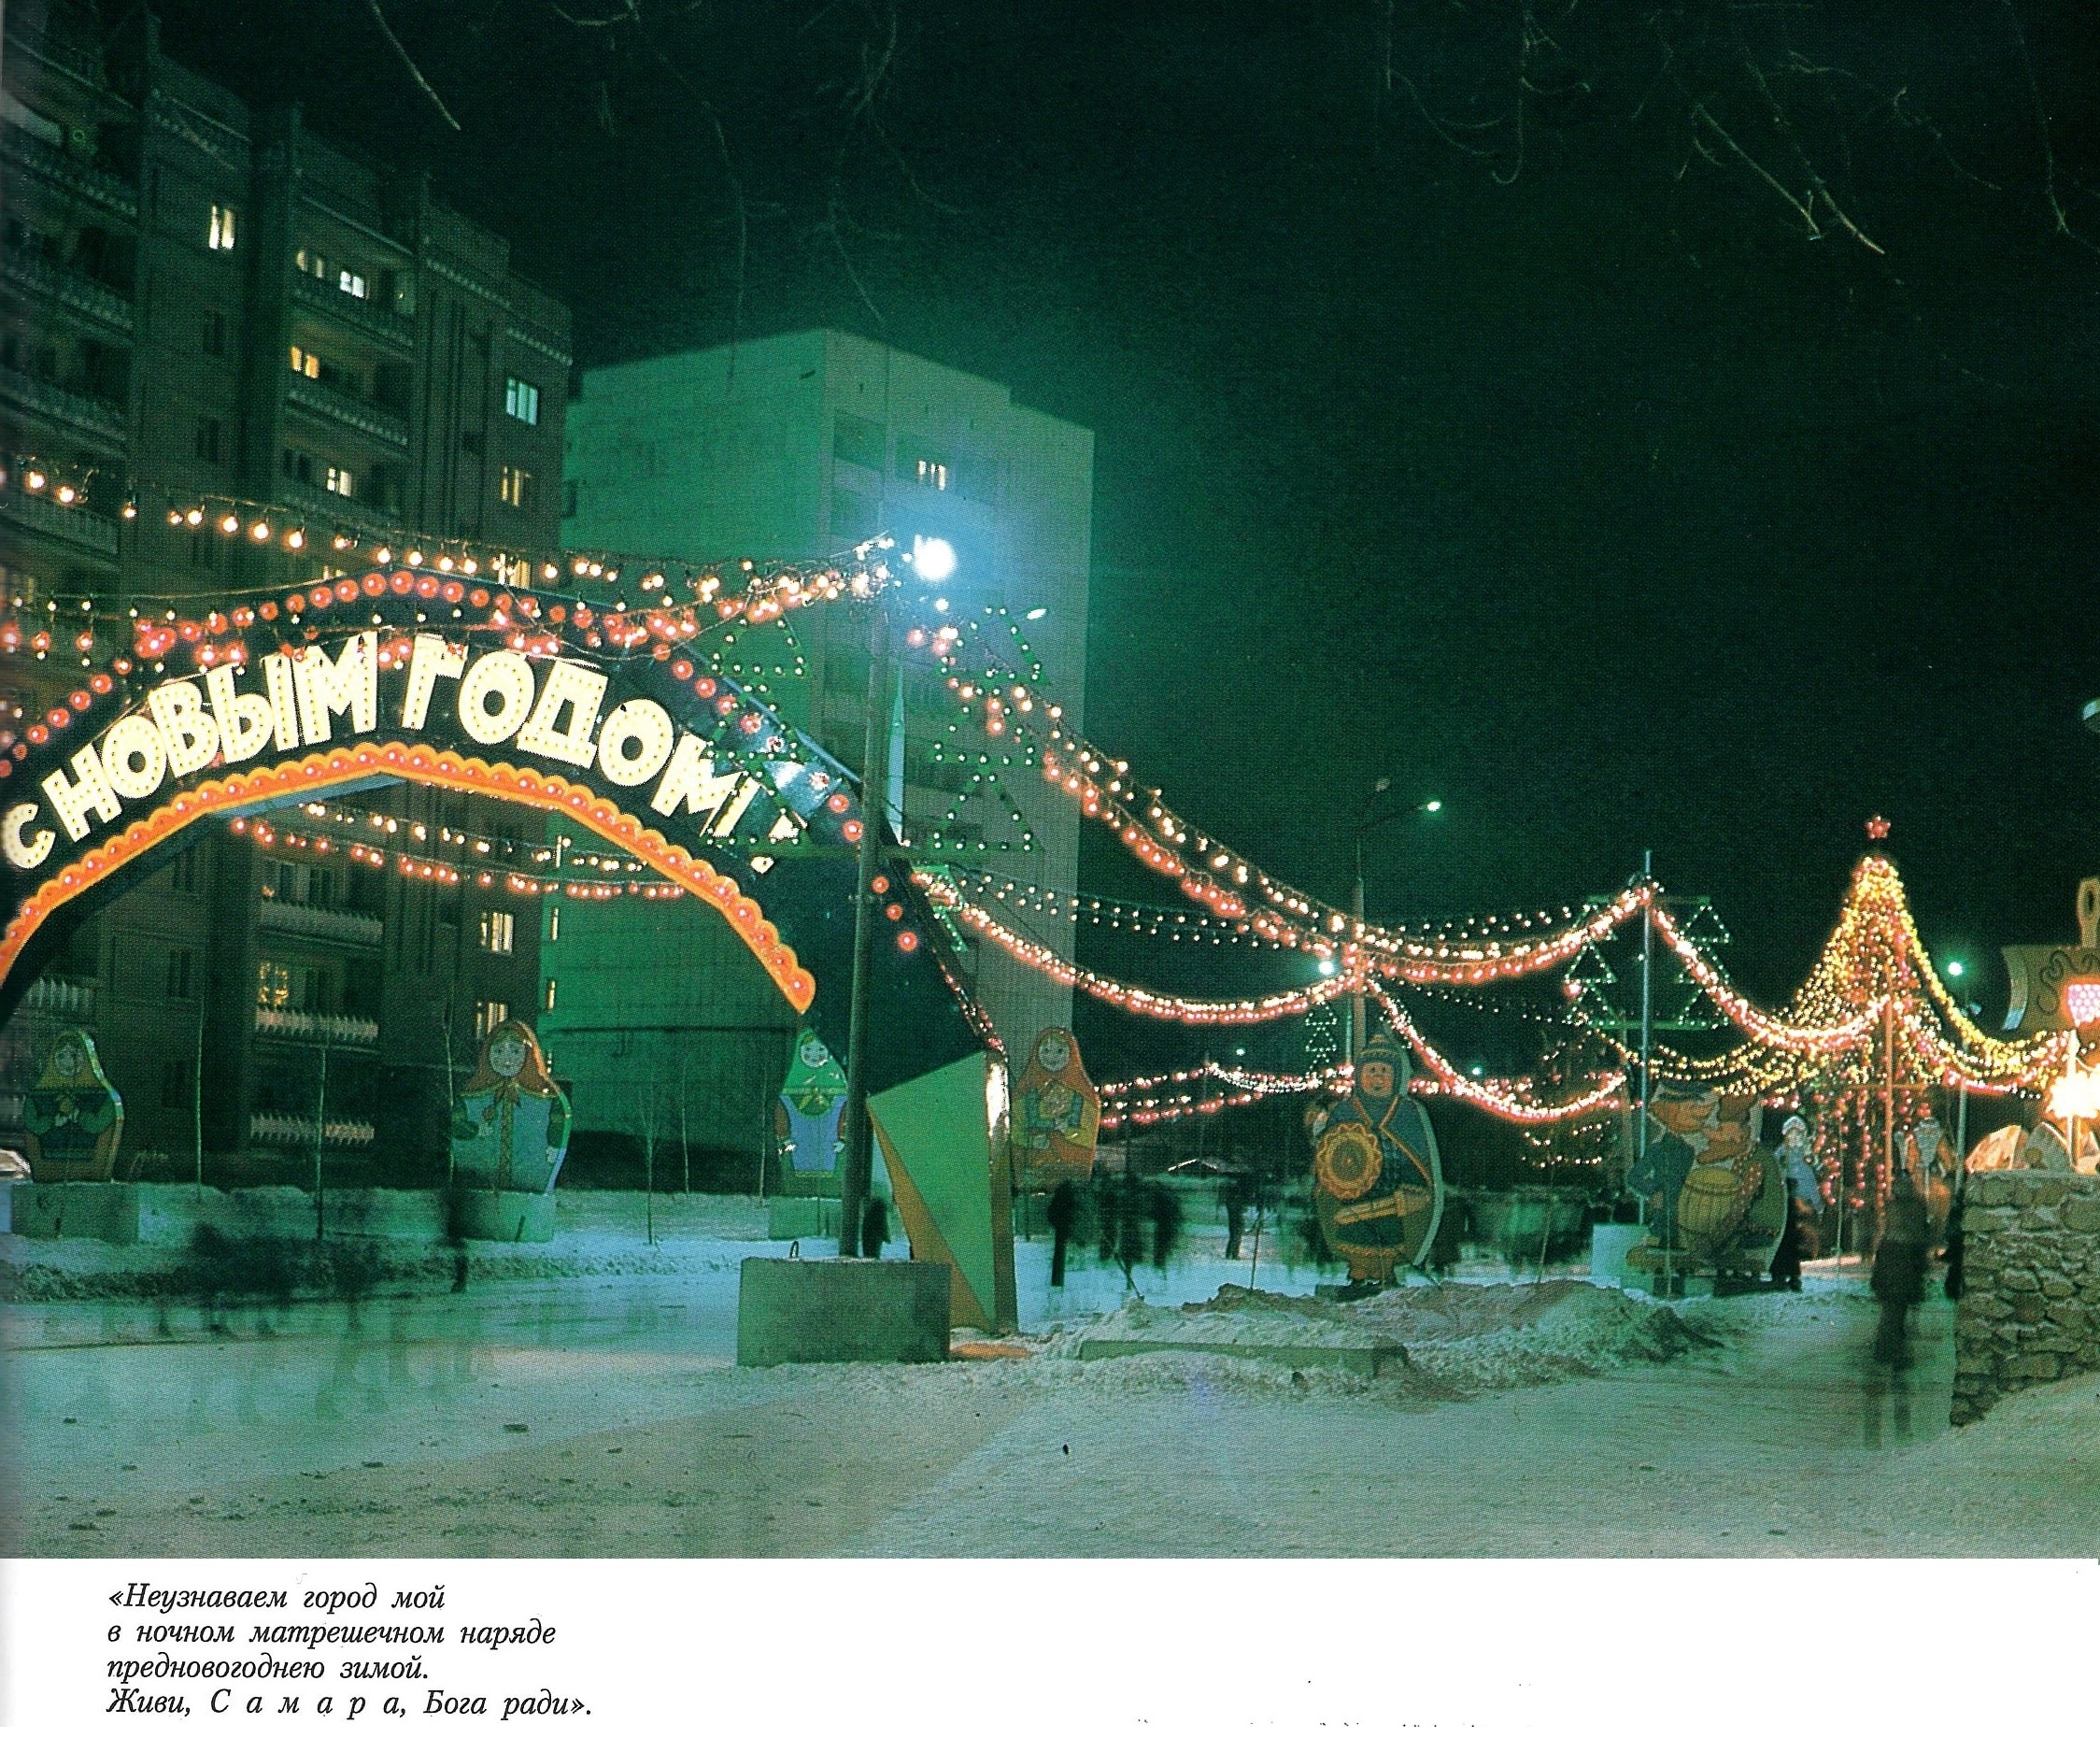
point(510, 1127)
point(73, 1115)
point(1057, 1114)
point(806, 1118)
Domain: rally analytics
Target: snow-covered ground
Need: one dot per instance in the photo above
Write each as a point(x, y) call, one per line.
point(594, 1409)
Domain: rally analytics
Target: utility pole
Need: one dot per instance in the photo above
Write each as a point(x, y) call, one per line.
point(1647, 1038)
point(1358, 1012)
point(859, 1136)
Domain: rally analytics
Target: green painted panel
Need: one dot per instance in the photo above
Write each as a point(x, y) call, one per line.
point(937, 1127)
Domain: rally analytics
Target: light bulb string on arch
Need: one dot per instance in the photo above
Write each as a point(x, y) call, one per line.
point(1191, 1010)
point(535, 625)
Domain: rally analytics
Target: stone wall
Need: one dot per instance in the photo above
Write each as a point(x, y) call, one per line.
point(2030, 1308)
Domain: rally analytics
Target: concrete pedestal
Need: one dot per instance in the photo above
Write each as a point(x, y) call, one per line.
point(842, 1312)
point(107, 1212)
point(504, 1216)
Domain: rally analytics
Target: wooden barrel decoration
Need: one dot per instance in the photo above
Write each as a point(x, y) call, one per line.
point(1710, 1201)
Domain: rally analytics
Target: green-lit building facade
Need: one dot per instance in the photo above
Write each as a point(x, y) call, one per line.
point(797, 448)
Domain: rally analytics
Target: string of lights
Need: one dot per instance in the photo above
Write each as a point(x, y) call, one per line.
point(1188, 1010)
point(349, 532)
point(1511, 1100)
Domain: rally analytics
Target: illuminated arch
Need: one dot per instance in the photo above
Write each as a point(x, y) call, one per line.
point(415, 763)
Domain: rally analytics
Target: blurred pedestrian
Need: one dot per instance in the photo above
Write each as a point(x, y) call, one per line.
point(1786, 1258)
point(1899, 1286)
point(1899, 1271)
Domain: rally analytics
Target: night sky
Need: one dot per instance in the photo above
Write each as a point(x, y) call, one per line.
point(1585, 487)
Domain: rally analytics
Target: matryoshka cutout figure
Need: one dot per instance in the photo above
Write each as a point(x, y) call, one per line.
point(1057, 1114)
point(806, 1118)
point(510, 1127)
point(73, 1115)
point(1377, 1181)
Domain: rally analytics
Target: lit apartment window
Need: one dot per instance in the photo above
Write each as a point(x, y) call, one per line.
point(515, 486)
point(553, 912)
point(311, 263)
point(497, 928)
point(488, 1016)
point(521, 399)
point(273, 984)
point(221, 238)
point(351, 283)
point(933, 473)
point(551, 996)
point(340, 482)
point(306, 363)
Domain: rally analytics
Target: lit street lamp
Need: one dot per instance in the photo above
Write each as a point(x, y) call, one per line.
point(1358, 1020)
point(933, 560)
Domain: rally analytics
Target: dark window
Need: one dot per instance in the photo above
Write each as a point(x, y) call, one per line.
point(298, 465)
point(858, 441)
point(186, 871)
point(179, 970)
point(175, 1082)
point(215, 332)
point(569, 500)
point(207, 439)
point(204, 549)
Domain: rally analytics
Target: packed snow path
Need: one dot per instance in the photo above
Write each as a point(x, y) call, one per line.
point(600, 1416)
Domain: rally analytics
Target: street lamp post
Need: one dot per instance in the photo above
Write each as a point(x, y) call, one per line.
point(859, 1134)
point(1359, 1023)
point(932, 559)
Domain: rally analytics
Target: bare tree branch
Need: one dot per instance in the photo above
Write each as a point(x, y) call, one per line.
point(422, 83)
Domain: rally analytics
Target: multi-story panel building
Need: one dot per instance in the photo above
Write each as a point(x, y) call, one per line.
point(798, 447)
point(201, 303)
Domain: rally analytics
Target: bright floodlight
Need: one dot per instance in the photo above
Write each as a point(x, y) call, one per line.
point(1036, 614)
point(1327, 968)
point(1955, 968)
point(1434, 806)
point(933, 558)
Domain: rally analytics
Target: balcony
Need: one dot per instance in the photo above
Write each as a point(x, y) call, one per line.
point(76, 175)
point(83, 296)
point(358, 315)
point(267, 1128)
point(357, 413)
point(322, 922)
point(324, 507)
point(344, 1029)
point(74, 525)
point(95, 416)
point(61, 998)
